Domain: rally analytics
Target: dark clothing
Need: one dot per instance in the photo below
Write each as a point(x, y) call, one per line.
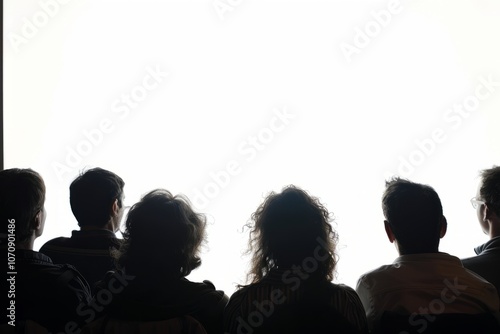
point(286, 302)
point(487, 262)
point(46, 293)
point(88, 251)
point(158, 298)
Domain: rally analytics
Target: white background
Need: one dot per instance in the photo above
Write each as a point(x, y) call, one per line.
point(231, 66)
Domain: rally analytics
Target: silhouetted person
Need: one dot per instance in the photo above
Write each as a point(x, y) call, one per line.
point(162, 241)
point(421, 280)
point(35, 289)
point(487, 205)
point(96, 199)
point(293, 260)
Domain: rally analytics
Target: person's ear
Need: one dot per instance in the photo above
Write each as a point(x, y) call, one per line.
point(115, 208)
point(443, 228)
point(37, 221)
point(487, 212)
point(389, 232)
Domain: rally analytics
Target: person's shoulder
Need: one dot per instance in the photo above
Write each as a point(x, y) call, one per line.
point(482, 261)
point(474, 262)
point(376, 278)
point(208, 284)
point(465, 275)
point(252, 288)
point(240, 293)
point(476, 277)
point(343, 291)
point(475, 284)
point(62, 277)
point(42, 265)
point(204, 295)
point(211, 289)
point(54, 242)
point(68, 273)
point(206, 289)
point(204, 285)
point(379, 271)
point(341, 288)
point(469, 259)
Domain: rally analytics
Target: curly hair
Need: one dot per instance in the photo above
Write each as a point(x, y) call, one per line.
point(162, 235)
point(285, 229)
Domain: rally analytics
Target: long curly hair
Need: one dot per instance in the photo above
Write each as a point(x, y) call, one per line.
point(163, 235)
point(286, 229)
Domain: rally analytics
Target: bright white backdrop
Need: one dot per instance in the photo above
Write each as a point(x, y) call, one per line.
point(227, 100)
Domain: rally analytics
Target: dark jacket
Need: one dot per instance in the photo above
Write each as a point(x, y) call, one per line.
point(158, 298)
point(487, 262)
point(46, 293)
point(87, 251)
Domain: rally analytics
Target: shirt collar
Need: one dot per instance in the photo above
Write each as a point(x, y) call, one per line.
point(490, 245)
point(426, 257)
point(93, 233)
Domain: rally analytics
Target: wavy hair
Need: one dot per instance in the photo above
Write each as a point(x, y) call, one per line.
point(162, 235)
point(287, 228)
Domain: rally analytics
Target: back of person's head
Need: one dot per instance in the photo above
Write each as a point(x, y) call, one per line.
point(92, 195)
point(287, 228)
point(22, 197)
point(490, 188)
point(415, 215)
point(162, 235)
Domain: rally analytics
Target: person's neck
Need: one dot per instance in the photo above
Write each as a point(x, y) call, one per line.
point(27, 245)
point(494, 229)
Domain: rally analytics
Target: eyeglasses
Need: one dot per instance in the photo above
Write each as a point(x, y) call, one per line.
point(476, 203)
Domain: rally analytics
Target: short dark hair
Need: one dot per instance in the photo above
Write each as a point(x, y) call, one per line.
point(285, 229)
point(163, 235)
point(490, 188)
point(415, 213)
point(22, 196)
point(92, 194)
